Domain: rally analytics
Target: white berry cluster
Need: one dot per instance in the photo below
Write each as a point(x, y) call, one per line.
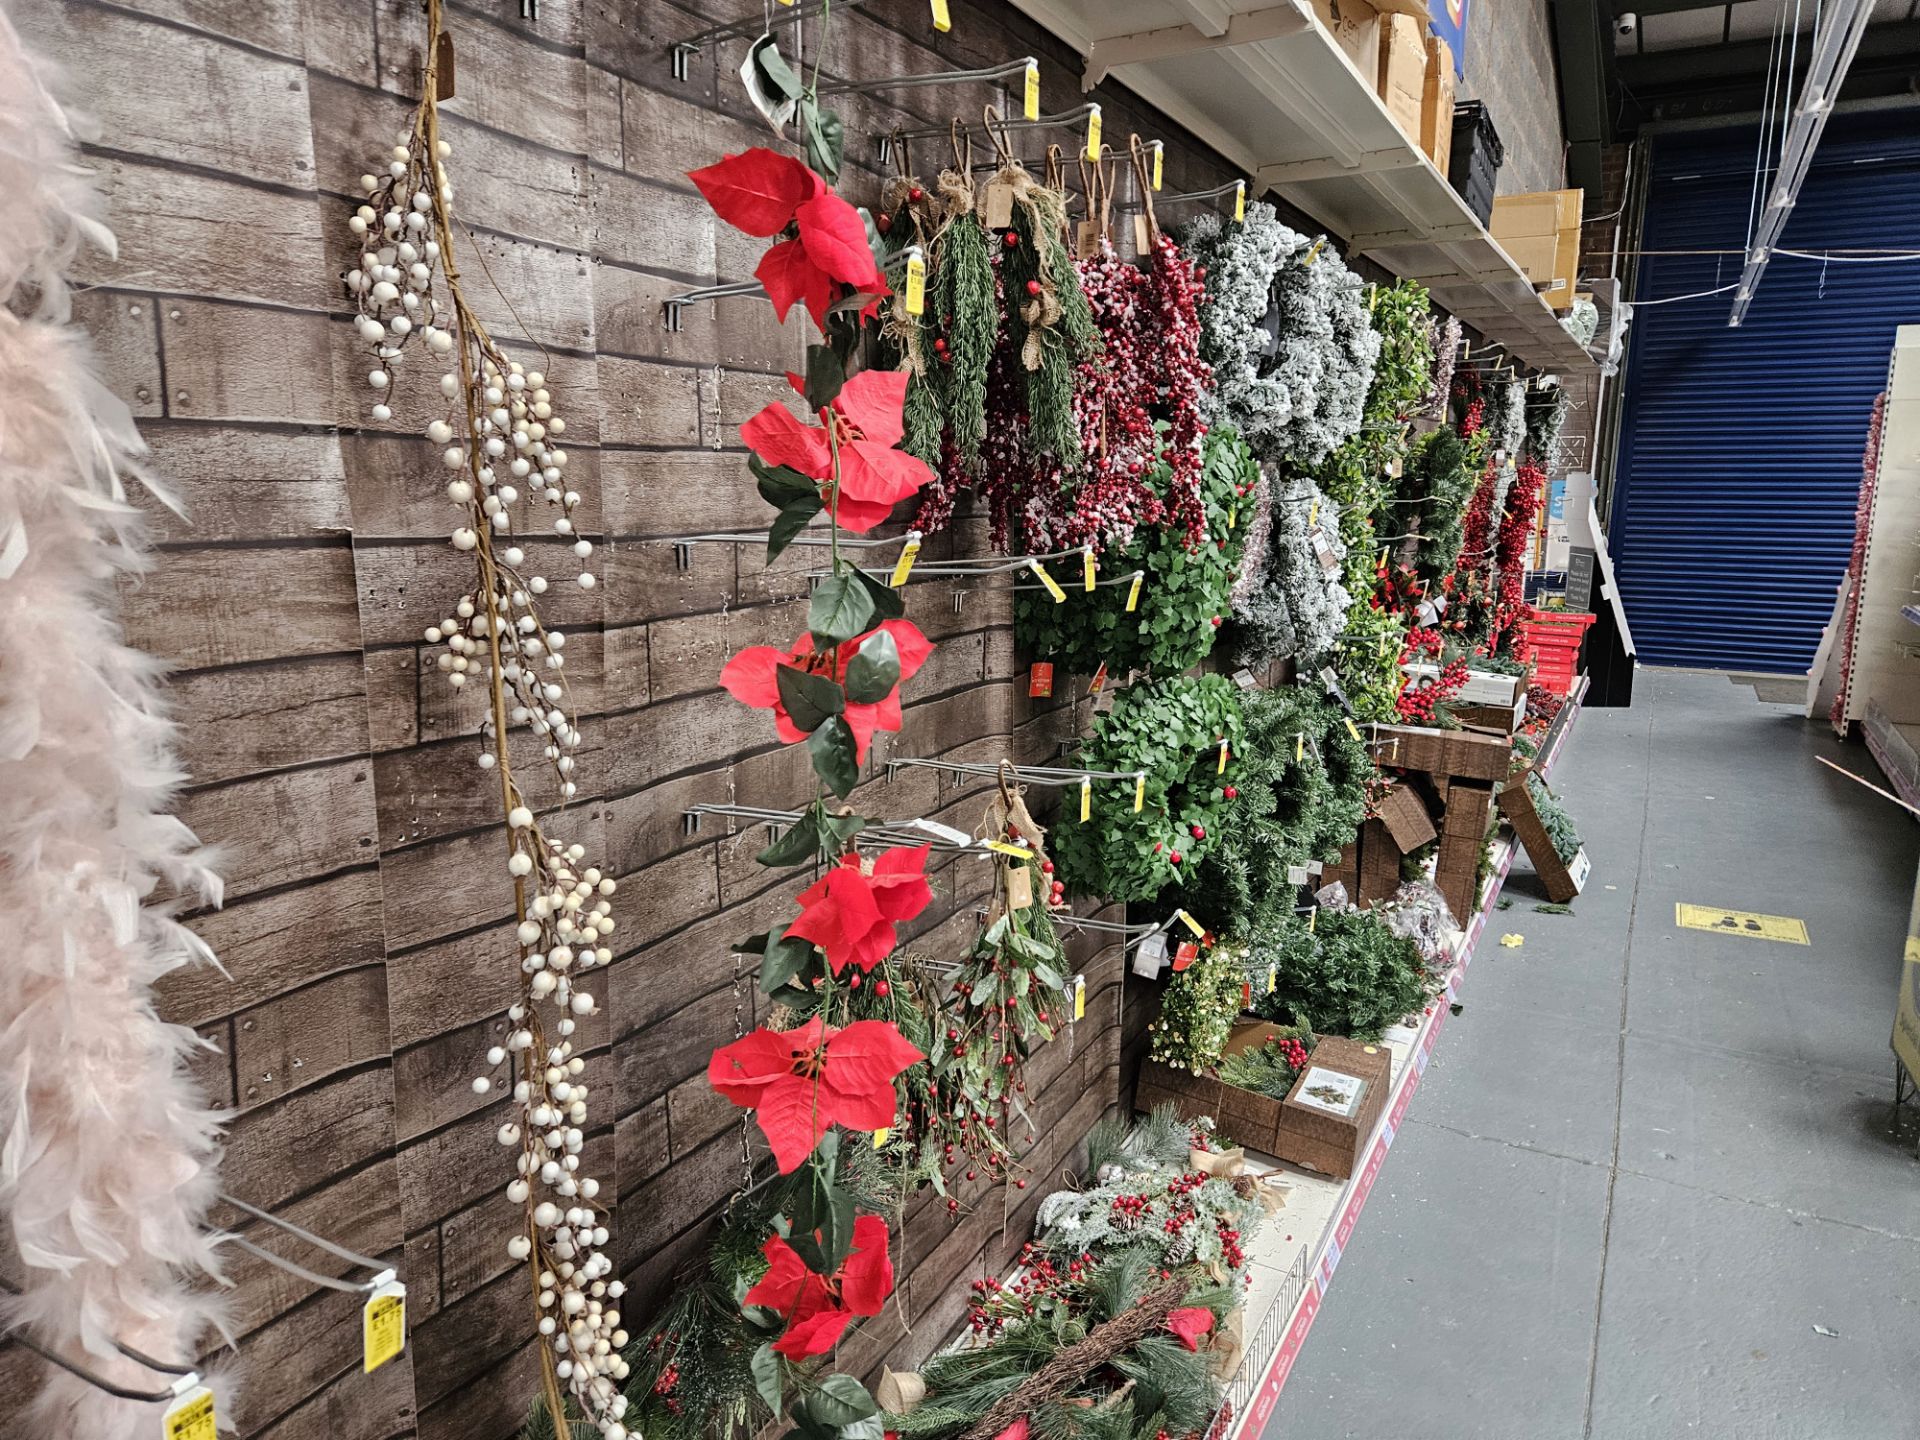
point(500, 437)
point(529, 651)
point(569, 923)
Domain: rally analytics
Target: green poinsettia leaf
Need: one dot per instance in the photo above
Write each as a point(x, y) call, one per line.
point(835, 757)
point(888, 603)
point(826, 373)
point(800, 843)
point(874, 669)
point(809, 699)
point(826, 139)
point(790, 522)
point(840, 609)
point(765, 1366)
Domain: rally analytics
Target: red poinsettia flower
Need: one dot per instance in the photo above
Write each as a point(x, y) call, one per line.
point(817, 1308)
point(799, 1082)
point(1016, 1431)
point(1189, 1323)
point(850, 914)
point(762, 192)
point(752, 677)
point(866, 426)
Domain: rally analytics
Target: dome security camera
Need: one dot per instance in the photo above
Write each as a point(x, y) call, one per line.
point(1626, 23)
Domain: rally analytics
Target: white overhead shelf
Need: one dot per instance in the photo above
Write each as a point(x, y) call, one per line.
point(1268, 87)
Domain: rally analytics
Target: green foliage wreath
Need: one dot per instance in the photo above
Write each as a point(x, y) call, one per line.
point(1171, 731)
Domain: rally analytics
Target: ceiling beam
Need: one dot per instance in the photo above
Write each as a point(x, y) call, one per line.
point(1694, 65)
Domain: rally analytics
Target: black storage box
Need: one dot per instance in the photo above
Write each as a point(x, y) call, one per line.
point(1477, 156)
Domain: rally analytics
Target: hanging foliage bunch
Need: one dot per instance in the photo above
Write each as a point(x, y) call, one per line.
point(1403, 374)
point(815, 1069)
point(500, 438)
point(1546, 417)
point(1009, 995)
point(1198, 1007)
point(1347, 974)
point(1298, 605)
point(1114, 1353)
point(1302, 795)
point(1183, 738)
point(948, 348)
point(1172, 1217)
point(1171, 623)
point(1506, 416)
point(1285, 328)
point(1513, 544)
point(1446, 354)
point(1440, 483)
point(1420, 699)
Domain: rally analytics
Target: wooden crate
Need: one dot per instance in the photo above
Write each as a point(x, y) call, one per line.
point(1246, 1116)
point(1562, 880)
point(1449, 753)
point(1318, 1138)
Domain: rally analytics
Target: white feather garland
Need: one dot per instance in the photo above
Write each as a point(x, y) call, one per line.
point(107, 1148)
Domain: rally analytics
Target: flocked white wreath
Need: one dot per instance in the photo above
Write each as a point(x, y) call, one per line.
point(1301, 608)
point(1285, 327)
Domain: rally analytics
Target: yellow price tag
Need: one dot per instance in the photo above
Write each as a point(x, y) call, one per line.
point(190, 1417)
point(1133, 591)
point(1273, 978)
point(1030, 103)
point(1159, 162)
point(383, 1326)
point(1299, 746)
point(1223, 757)
point(942, 16)
point(881, 1136)
point(916, 282)
point(1233, 516)
point(1312, 915)
point(1079, 997)
point(1352, 729)
point(1018, 852)
point(1053, 585)
point(1086, 799)
point(908, 554)
point(1313, 514)
point(1192, 924)
point(1139, 792)
point(1383, 556)
point(1093, 134)
point(1086, 557)
point(1240, 200)
point(1314, 253)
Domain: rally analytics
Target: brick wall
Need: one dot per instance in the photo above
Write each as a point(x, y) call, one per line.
point(1510, 66)
point(364, 930)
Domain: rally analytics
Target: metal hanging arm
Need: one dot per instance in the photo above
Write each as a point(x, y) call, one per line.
point(381, 1276)
point(1061, 121)
point(139, 1357)
point(917, 82)
point(685, 49)
point(674, 304)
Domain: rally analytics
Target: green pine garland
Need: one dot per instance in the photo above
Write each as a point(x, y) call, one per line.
point(1441, 480)
point(1171, 729)
point(1050, 331)
point(1264, 1069)
point(964, 298)
point(1289, 811)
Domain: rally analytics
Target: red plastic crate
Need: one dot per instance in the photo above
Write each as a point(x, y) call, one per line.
point(1554, 637)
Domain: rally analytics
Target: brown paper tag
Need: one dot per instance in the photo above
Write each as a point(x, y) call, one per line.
point(1019, 887)
point(1086, 240)
point(443, 67)
point(996, 211)
point(1142, 236)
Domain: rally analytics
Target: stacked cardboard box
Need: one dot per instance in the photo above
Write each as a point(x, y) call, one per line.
point(1412, 71)
point(1541, 231)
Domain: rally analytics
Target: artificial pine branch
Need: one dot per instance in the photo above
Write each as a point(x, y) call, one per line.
point(1065, 1370)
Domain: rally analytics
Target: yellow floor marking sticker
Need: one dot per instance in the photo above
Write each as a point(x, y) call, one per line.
point(1784, 928)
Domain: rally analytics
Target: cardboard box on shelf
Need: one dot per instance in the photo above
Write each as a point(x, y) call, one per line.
point(1539, 212)
point(1436, 104)
point(1403, 70)
point(1541, 231)
point(1355, 27)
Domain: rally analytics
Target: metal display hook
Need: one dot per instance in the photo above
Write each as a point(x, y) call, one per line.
point(685, 49)
point(383, 1274)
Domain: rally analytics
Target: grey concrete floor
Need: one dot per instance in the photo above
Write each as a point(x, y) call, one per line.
point(1646, 1162)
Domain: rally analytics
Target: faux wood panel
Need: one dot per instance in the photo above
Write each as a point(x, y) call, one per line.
point(363, 925)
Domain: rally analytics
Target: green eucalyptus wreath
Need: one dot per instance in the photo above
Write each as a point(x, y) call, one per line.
point(1170, 730)
point(1183, 591)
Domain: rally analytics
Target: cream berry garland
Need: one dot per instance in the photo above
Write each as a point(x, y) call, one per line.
point(499, 439)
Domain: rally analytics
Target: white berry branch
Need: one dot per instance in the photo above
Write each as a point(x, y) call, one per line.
point(500, 433)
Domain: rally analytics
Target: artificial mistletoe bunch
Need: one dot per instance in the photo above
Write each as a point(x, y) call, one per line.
point(1302, 797)
point(1198, 1007)
point(1169, 625)
point(1183, 738)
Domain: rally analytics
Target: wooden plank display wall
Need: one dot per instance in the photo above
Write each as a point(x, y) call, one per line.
point(365, 924)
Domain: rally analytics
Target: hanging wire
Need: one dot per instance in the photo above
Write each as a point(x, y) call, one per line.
point(138, 1357)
